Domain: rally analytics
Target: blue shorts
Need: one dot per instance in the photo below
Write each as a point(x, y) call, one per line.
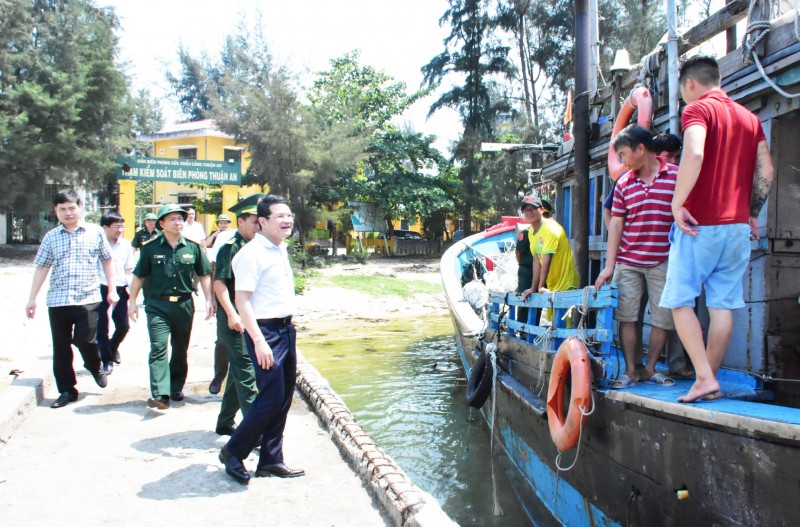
point(716, 258)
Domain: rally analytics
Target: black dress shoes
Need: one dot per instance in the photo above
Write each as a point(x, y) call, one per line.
point(108, 367)
point(225, 430)
point(176, 396)
point(214, 387)
point(160, 402)
point(233, 466)
point(280, 470)
point(64, 399)
point(100, 377)
point(115, 356)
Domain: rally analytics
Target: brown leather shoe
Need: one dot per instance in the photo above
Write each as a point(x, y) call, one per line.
point(160, 402)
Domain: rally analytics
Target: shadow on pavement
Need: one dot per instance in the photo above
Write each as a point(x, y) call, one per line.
point(179, 444)
point(194, 481)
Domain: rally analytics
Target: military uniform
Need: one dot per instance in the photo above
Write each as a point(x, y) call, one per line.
point(142, 235)
point(168, 292)
point(240, 390)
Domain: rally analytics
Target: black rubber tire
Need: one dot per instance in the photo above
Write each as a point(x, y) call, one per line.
point(480, 381)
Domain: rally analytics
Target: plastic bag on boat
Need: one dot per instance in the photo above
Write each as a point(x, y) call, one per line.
point(505, 275)
point(477, 294)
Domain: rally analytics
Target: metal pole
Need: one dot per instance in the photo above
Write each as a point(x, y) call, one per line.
point(595, 44)
point(580, 191)
point(672, 67)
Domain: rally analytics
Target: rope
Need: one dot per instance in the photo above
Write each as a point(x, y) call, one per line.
point(756, 32)
point(544, 341)
point(580, 435)
point(491, 349)
point(583, 310)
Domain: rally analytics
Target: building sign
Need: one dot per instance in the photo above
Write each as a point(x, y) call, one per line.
point(140, 168)
point(367, 217)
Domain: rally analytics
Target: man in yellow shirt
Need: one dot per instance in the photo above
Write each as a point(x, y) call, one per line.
point(553, 265)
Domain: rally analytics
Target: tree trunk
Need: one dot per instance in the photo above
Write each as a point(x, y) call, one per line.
point(535, 103)
point(523, 58)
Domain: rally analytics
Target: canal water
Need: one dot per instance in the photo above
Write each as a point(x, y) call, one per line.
point(404, 382)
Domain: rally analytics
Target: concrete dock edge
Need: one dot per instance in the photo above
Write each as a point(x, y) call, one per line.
point(406, 504)
point(19, 399)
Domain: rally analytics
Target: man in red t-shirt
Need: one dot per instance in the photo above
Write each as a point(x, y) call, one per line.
point(723, 182)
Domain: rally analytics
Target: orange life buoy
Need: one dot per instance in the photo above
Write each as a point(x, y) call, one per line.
point(572, 356)
point(639, 98)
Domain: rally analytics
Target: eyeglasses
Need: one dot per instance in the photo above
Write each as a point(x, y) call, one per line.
point(118, 227)
point(283, 217)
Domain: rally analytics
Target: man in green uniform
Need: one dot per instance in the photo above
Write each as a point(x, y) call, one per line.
point(146, 232)
point(166, 267)
point(240, 391)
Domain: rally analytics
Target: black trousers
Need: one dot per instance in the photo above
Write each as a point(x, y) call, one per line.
point(267, 415)
point(121, 324)
point(73, 325)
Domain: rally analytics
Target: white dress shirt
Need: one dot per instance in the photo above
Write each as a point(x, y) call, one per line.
point(122, 259)
point(263, 269)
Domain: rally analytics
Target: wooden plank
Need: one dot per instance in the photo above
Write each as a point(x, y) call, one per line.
point(598, 335)
point(722, 20)
point(604, 298)
point(763, 419)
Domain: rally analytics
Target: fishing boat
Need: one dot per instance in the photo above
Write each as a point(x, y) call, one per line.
point(581, 453)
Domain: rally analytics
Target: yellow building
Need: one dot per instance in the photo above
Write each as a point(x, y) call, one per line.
point(199, 140)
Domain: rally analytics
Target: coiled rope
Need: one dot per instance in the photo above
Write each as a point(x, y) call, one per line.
point(755, 32)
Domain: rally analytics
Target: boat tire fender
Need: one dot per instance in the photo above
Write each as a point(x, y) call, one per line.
point(639, 98)
point(572, 359)
point(479, 385)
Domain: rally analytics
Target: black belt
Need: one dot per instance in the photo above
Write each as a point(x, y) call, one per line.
point(173, 298)
point(285, 321)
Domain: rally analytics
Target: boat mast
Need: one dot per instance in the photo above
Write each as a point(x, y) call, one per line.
point(672, 66)
point(580, 191)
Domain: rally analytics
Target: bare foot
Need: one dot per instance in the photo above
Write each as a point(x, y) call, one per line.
point(699, 390)
point(711, 396)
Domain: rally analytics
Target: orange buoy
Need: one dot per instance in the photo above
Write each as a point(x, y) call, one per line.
point(639, 98)
point(572, 359)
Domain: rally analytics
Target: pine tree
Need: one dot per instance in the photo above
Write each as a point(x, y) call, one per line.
point(63, 117)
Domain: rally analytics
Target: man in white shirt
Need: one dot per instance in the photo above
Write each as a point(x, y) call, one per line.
point(192, 230)
point(113, 225)
point(265, 300)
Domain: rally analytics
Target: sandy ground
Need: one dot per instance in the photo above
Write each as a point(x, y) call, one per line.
point(108, 458)
point(334, 303)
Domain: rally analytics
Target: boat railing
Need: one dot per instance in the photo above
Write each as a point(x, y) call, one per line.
point(587, 314)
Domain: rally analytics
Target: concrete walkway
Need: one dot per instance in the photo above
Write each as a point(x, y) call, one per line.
point(109, 459)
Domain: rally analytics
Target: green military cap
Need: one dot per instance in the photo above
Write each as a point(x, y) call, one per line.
point(170, 208)
point(248, 205)
point(150, 216)
point(223, 217)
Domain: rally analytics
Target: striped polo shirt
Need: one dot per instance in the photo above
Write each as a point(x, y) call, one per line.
point(647, 210)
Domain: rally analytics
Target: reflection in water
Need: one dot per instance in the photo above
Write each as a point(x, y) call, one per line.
point(407, 391)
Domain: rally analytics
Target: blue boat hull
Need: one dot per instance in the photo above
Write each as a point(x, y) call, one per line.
point(734, 462)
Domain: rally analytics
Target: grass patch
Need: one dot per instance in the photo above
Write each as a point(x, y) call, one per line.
point(385, 285)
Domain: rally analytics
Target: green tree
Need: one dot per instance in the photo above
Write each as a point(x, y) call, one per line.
point(471, 54)
point(636, 25)
point(195, 85)
point(63, 117)
point(406, 176)
point(146, 118)
point(350, 104)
